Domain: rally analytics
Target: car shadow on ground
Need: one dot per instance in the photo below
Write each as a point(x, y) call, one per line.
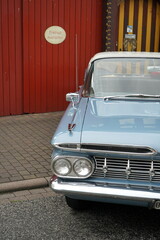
point(115, 220)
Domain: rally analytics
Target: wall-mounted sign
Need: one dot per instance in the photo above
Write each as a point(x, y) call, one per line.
point(55, 35)
point(130, 36)
point(129, 29)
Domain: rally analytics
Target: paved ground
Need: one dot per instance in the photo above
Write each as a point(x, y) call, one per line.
point(24, 195)
point(25, 147)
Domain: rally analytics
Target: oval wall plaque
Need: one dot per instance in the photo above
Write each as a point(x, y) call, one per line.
point(55, 35)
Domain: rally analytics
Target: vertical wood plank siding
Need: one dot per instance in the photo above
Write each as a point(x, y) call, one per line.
point(157, 28)
point(34, 74)
point(121, 26)
point(139, 30)
point(10, 57)
point(144, 16)
point(50, 70)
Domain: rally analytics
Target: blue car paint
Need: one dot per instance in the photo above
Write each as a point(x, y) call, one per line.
point(112, 122)
point(122, 122)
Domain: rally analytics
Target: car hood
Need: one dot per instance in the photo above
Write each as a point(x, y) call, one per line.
point(122, 122)
point(72, 116)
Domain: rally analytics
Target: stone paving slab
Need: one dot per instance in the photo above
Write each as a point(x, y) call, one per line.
point(25, 147)
point(25, 195)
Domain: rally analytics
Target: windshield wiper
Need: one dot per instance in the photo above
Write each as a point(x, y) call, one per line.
point(136, 95)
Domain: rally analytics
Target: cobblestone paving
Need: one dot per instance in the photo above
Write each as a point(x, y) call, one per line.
point(26, 195)
point(25, 147)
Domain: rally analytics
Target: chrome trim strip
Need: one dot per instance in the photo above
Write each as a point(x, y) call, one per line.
point(90, 189)
point(151, 151)
point(56, 145)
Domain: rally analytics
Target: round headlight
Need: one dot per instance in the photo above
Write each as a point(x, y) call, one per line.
point(62, 167)
point(83, 167)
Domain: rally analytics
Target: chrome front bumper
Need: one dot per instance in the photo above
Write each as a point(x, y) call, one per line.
point(92, 190)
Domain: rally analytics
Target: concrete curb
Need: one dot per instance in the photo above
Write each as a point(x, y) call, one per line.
point(24, 185)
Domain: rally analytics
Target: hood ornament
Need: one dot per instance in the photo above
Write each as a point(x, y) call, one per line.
point(71, 126)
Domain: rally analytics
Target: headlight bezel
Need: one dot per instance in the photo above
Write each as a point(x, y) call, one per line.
point(72, 160)
point(78, 161)
point(65, 161)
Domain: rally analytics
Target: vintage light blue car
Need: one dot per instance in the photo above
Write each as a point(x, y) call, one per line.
point(107, 145)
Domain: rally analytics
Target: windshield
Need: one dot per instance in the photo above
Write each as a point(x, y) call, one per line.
point(125, 76)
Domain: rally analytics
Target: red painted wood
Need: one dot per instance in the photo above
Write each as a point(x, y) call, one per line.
point(50, 70)
point(18, 58)
point(32, 44)
point(38, 82)
point(55, 57)
point(10, 57)
point(44, 65)
point(5, 57)
point(61, 76)
point(26, 83)
point(1, 67)
point(34, 74)
point(49, 86)
point(67, 80)
point(72, 48)
point(12, 63)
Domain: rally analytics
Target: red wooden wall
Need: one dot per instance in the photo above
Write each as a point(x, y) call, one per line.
point(11, 99)
point(34, 74)
point(50, 70)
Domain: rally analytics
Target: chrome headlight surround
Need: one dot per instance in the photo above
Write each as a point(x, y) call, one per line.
point(82, 167)
point(72, 166)
point(62, 167)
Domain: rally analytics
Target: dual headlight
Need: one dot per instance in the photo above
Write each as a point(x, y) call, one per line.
point(73, 167)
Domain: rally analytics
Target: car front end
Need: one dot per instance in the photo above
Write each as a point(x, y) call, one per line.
point(106, 147)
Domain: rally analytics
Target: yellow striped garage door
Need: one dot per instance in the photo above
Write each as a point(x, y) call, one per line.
point(139, 25)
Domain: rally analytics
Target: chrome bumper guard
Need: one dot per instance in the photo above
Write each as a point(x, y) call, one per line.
point(90, 189)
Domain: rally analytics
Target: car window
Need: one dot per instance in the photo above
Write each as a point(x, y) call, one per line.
point(123, 76)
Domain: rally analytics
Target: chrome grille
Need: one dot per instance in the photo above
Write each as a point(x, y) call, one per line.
point(127, 169)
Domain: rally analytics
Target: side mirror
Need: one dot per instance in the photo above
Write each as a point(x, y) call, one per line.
point(72, 97)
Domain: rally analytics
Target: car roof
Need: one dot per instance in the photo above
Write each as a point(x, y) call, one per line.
point(125, 54)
